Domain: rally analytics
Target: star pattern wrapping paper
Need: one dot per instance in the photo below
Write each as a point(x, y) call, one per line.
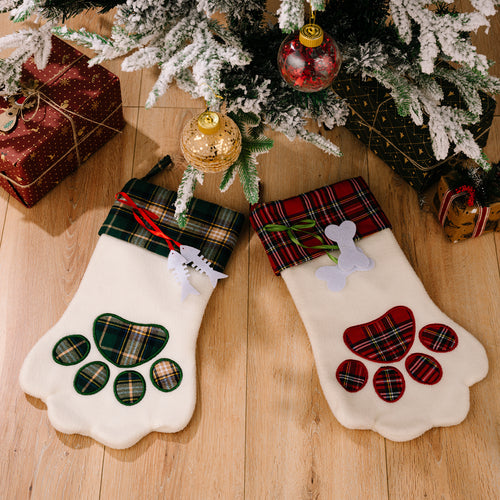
point(41, 151)
point(401, 144)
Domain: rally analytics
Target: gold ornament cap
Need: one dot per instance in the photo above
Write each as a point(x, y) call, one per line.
point(311, 35)
point(209, 122)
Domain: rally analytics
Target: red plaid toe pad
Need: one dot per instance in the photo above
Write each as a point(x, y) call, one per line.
point(346, 200)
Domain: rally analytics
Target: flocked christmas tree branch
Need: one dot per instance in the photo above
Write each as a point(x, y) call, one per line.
point(417, 94)
point(442, 32)
point(400, 43)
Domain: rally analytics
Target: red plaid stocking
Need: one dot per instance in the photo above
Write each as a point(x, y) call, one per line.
point(387, 358)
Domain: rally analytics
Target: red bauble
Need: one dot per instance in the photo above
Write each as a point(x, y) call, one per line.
point(309, 59)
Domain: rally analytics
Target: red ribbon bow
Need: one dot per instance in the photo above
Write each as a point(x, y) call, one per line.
point(470, 191)
point(147, 215)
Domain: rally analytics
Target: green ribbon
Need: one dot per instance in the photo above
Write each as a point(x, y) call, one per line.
point(301, 226)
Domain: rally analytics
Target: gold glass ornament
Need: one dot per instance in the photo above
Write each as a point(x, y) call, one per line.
point(211, 142)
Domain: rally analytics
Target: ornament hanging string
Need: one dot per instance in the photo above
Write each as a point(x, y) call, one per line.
point(216, 95)
point(301, 226)
point(147, 216)
point(313, 15)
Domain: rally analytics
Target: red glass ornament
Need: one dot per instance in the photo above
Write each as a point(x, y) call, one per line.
point(309, 68)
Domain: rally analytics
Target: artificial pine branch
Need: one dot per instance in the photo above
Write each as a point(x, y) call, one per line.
point(26, 43)
point(319, 141)
point(23, 10)
point(291, 15)
point(401, 43)
point(469, 83)
point(185, 193)
point(419, 95)
point(228, 178)
point(442, 32)
point(68, 8)
point(252, 144)
point(7, 5)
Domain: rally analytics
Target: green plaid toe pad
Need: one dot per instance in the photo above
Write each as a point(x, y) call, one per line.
point(71, 350)
point(129, 387)
point(210, 228)
point(91, 378)
point(166, 375)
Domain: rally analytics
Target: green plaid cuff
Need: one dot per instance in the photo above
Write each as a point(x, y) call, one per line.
point(210, 228)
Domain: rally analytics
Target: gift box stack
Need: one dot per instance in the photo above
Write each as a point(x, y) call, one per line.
point(73, 111)
point(404, 146)
point(465, 208)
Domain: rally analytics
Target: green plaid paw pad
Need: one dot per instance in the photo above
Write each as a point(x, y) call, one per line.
point(124, 344)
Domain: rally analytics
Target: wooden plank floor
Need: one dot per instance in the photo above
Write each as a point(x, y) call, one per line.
point(262, 428)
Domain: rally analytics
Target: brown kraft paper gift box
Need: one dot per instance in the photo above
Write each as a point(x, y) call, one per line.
point(459, 220)
point(74, 111)
point(401, 144)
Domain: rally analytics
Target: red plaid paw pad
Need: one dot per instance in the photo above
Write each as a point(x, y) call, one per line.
point(388, 339)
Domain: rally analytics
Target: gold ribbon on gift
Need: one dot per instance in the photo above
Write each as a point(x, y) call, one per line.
point(372, 130)
point(67, 113)
point(34, 91)
point(84, 138)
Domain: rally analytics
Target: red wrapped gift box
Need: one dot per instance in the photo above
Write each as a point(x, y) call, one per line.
point(75, 110)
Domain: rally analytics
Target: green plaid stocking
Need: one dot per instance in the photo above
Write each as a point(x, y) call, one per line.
point(120, 362)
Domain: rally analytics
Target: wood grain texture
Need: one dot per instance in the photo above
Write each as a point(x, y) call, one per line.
point(261, 428)
point(295, 447)
point(458, 462)
point(206, 460)
point(46, 249)
point(4, 201)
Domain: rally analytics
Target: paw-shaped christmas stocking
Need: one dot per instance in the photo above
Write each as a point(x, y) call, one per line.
point(120, 363)
point(387, 358)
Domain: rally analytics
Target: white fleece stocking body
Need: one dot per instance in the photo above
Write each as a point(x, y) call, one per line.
point(117, 388)
point(407, 371)
point(387, 358)
point(120, 362)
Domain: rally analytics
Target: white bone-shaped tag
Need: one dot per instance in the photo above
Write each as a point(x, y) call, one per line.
point(334, 276)
point(351, 257)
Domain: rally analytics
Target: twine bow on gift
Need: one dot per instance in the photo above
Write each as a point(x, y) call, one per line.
point(32, 91)
point(302, 227)
point(35, 92)
point(470, 192)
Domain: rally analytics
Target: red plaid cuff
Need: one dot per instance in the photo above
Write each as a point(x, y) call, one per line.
point(347, 200)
